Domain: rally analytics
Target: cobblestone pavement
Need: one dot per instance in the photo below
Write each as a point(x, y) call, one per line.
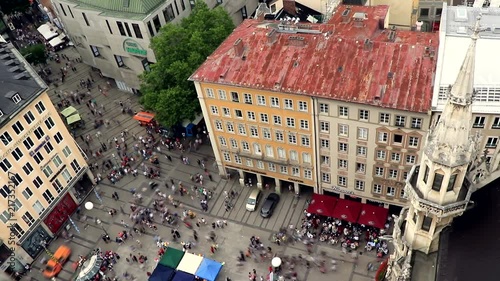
point(233, 238)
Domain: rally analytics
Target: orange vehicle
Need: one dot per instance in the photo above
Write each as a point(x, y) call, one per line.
point(55, 264)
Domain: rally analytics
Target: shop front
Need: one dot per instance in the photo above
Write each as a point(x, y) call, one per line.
point(35, 242)
point(59, 215)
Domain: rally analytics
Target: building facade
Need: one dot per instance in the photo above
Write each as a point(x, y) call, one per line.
point(41, 166)
point(362, 132)
point(454, 34)
point(114, 36)
point(366, 152)
point(267, 137)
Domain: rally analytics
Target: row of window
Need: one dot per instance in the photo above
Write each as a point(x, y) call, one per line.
point(392, 174)
point(262, 117)
point(168, 16)
point(18, 154)
point(481, 94)
point(29, 118)
point(38, 182)
point(383, 118)
point(389, 191)
point(261, 100)
point(294, 171)
point(361, 151)
point(480, 122)
point(268, 151)
point(266, 134)
point(360, 186)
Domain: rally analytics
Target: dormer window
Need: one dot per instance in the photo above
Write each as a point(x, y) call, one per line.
point(1, 113)
point(16, 98)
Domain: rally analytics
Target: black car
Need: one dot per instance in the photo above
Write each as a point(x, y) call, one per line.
point(269, 205)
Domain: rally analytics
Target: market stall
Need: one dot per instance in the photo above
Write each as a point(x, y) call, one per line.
point(172, 257)
point(190, 263)
point(162, 273)
point(48, 31)
point(209, 269)
point(183, 276)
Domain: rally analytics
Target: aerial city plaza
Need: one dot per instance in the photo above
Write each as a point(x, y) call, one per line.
point(219, 140)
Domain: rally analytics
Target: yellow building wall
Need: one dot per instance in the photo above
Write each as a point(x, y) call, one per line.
point(17, 166)
point(270, 111)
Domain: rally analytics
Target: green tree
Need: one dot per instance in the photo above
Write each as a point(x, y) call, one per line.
point(35, 54)
point(180, 49)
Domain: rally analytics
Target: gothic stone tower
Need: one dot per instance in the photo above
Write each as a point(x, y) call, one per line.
point(438, 188)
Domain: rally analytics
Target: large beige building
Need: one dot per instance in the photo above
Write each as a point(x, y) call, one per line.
point(350, 125)
point(42, 170)
point(114, 36)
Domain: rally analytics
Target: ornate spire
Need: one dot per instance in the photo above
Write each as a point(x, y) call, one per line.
point(449, 142)
point(462, 91)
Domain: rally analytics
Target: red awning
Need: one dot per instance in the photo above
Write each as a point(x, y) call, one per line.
point(322, 205)
point(373, 216)
point(347, 210)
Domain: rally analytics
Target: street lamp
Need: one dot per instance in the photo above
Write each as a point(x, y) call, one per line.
point(89, 206)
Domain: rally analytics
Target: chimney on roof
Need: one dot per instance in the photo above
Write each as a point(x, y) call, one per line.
point(239, 48)
point(272, 36)
point(392, 34)
point(419, 25)
point(289, 7)
point(298, 41)
point(345, 15)
point(429, 52)
point(368, 45)
point(359, 19)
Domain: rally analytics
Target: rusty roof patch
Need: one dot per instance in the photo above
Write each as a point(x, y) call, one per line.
point(336, 65)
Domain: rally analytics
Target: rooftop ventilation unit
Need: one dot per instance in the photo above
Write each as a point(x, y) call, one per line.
point(22, 76)
point(360, 16)
point(462, 30)
point(10, 94)
point(5, 56)
point(461, 14)
point(15, 69)
point(11, 62)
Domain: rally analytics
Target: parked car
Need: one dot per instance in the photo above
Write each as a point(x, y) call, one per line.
point(55, 264)
point(269, 205)
point(253, 200)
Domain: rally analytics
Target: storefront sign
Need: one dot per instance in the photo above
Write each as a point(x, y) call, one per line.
point(247, 170)
point(342, 190)
point(47, 138)
point(132, 47)
point(295, 180)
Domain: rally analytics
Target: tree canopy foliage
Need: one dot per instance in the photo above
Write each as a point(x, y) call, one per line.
point(35, 54)
point(180, 49)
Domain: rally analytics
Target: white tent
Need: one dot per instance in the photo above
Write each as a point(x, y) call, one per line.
point(55, 42)
point(48, 31)
point(190, 263)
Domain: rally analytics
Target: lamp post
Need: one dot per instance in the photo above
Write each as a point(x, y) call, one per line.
point(89, 206)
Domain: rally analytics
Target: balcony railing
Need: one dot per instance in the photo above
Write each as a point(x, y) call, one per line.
point(431, 207)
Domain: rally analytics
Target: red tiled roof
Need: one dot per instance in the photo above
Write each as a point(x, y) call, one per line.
point(334, 64)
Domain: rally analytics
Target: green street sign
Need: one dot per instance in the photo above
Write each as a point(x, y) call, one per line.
point(132, 47)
